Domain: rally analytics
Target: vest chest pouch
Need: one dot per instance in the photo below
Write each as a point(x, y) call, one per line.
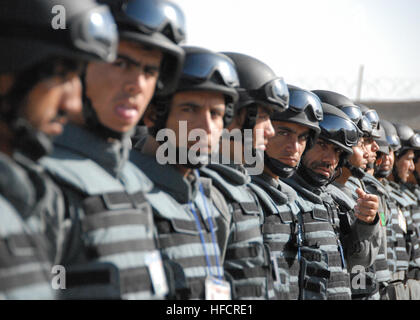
point(319, 214)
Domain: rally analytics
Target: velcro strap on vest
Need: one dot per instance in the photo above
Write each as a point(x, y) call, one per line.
point(248, 290)
point(239, 253)
point(113, 201)
point(249, 208)
point(248, 272)
point(312, 286)
point(317, 272)
point(131, 280)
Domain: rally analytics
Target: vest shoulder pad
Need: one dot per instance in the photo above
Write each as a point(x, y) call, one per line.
point(81, 173)
point(231, 190)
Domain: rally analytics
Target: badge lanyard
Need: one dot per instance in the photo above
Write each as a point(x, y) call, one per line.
point(201, 231)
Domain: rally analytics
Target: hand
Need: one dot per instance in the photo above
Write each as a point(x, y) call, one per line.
point(367, 206)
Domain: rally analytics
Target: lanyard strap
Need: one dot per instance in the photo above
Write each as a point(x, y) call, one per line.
point(209, 218)
point(213, 237)
point(197, 222)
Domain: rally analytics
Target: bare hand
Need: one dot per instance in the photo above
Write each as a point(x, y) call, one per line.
point(367, 206)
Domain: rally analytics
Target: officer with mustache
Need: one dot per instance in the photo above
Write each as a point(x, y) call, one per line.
point(351, 182)
point(325, 230)
point(399, 243)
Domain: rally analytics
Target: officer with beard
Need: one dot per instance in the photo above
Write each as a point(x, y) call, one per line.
point(351, 179)
point(325, 232)
point(403, 167)
point(399, 243)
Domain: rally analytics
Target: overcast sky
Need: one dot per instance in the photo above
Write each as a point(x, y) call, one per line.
point(319, 44)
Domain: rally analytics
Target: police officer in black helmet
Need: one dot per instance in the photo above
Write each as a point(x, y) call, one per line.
point(296, 129)
point(111, 230)
point(39, 85)
point(323, 224)
point(349, 181)
point(403, 167)
point(261, 92)
point(187, 209)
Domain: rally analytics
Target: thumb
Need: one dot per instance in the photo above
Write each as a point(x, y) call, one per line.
point(360, 193)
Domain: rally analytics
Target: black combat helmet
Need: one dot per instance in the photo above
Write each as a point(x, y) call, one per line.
point(203, 70)
point(157, 24)
point(304, 109)
point(409, 139)
point(258, 85)
point(371, 117)
point(346, 105)
point(31, 33)
point(37, 43)
point(338, 129)
point(391, 135)
point(354, 113)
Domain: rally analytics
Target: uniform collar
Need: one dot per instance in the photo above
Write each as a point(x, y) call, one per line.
point(166, 177)
point(109, 154)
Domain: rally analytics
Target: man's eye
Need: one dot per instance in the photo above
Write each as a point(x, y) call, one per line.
point(216, 114)
point(282, 133)
point(304, 137)
point(151, 71)
point(120, 63)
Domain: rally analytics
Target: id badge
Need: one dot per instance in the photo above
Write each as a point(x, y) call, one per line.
point(217, 289)
point(157, 274)
point(402, 222)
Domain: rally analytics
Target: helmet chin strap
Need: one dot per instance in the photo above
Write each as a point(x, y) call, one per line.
point(370, 165)
point(30, 142)
point(311, 177)
point(356, 172)
point(277, 167)
point(316, 179)
point(382, 173)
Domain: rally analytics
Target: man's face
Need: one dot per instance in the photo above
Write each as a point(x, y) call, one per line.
point(121, 91)
point(202, 110)
point(263, 125)
point(289, 142)
point(47, 103)
point(405, 165)
point(371, 148)
point(386, 161)
point(359, 158)
point(263, 129)
point(323, 158)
